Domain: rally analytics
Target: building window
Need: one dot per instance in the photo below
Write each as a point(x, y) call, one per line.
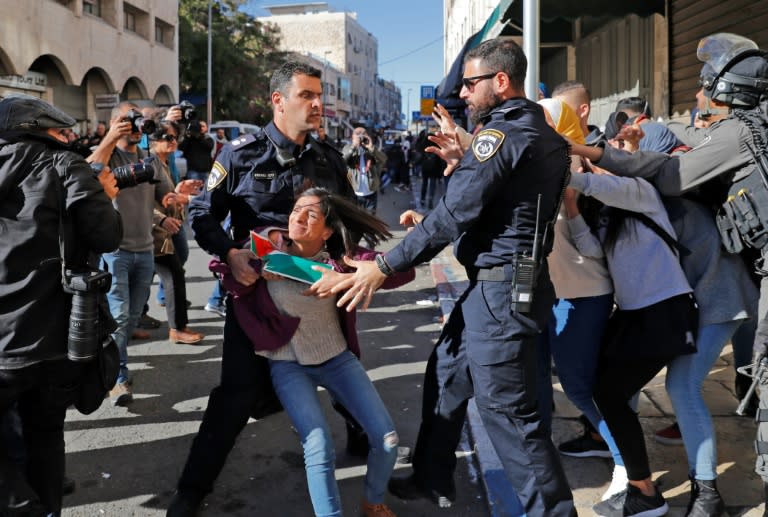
point(129, 21)
point(163, 33)
point(92, 7)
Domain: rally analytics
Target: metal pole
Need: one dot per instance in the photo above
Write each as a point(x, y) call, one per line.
point(408, 113)
point(209, 97)
point(531, 47)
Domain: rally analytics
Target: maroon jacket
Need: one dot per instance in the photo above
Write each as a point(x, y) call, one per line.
point(267, 328)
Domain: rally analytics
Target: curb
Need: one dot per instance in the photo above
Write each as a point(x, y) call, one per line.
point(451, 281)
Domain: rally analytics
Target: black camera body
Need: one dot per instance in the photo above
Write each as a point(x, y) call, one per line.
point(140, 124)
point(133, 174)
point(366, 141)
point(86, 288)
point(188, 111)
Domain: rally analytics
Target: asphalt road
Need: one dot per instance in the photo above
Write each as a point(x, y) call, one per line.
point(126, 460)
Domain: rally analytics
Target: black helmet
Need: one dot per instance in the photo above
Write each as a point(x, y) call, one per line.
point(735, 70)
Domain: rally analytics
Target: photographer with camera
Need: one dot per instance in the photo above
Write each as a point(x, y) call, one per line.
point(52, 205)
point(364, 164)
point(197, 147)
point(132, 265)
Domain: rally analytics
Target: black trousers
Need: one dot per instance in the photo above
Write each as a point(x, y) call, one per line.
point(618, 379)
point(41, 394)
point(245, 389)
point(489, 351)
point(171, 272)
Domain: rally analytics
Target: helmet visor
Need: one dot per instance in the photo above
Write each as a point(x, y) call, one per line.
point(720, 49)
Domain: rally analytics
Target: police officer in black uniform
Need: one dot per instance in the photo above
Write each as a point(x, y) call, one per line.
point(507, 185)
point(255, 179)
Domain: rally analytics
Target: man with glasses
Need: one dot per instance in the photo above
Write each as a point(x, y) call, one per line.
point(508, 183)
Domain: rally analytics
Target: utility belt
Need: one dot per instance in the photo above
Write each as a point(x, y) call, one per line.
point(522, 273)
point(742, 219)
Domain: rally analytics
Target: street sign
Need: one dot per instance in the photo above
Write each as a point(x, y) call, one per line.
point(427, 100)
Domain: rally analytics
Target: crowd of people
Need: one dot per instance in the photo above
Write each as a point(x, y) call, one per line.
point(553, 219)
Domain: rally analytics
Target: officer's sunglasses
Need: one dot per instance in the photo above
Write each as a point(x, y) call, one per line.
point(470, 82)
point(168, 138)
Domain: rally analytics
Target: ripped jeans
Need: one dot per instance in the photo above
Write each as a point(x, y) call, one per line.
point(346, 380)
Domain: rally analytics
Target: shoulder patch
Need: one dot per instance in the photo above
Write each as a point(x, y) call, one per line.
point(486, 143)
point(217, 175)
point(243, 140)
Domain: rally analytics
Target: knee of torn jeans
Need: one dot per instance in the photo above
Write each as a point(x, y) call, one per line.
point(391, 440)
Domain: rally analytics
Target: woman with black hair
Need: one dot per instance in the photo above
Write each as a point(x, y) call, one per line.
point(655, 320)
point(168, 217)
point(310, 343)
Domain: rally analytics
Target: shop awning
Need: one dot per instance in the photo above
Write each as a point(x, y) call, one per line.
point(557, 18)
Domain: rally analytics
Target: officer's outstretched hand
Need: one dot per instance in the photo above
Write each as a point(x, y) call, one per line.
point(323, 287)
point(448, 148)
point(239, 263)
point(411, 218)
point(360, 286)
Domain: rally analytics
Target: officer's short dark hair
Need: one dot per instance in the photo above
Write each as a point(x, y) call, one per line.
point(571, 85)
point(281, 78)
point(501, 55)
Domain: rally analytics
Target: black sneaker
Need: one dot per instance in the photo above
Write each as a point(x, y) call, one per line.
point(408, 489)
point(613, 506)
point(585, 447)
point(638, 505)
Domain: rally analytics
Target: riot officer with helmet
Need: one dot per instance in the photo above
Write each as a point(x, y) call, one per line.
point(727, 169)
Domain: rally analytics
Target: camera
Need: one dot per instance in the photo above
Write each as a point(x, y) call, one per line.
point(140, 124)
point(188, 111)
point(86, 287)
point(134, 174)
point(365, 141)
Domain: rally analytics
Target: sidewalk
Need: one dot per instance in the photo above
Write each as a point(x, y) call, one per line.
point(589, 477)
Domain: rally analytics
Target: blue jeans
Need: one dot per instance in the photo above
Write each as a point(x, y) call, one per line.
point(685, 376)
point(217, 294)
point(131, 279)
point(575, 333)
point(345, 378)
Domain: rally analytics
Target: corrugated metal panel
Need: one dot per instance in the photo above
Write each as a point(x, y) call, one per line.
point(616, 61)
point(691, 20)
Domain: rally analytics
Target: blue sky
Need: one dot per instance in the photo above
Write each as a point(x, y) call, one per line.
point(410, 35)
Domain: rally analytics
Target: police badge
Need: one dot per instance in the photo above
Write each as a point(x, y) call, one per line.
point(486, 143)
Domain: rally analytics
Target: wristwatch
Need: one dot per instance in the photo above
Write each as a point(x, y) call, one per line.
point(383, 266)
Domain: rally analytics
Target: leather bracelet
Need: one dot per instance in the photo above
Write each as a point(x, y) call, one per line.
point(385, 268)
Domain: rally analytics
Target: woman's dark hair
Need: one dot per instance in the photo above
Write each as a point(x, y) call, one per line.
point(349, 223)
point(162, 127)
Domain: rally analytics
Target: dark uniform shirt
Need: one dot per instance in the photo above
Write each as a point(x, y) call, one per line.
point(256, 177)
point(490, 204)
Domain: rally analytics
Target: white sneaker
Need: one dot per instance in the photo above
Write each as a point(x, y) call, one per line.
point(618, 482)
point(221, 310)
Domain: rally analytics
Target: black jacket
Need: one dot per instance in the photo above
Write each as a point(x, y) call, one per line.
point(37, 174)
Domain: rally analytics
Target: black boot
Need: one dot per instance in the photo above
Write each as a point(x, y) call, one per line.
point(357, 441)
point(705, 499)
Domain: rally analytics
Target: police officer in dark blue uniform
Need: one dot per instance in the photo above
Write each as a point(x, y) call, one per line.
point(255, 179)
point(509, 183)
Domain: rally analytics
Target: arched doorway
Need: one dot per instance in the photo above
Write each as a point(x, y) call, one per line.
point(59, 87)
point(100, 95)
point(133, 90)
point(164, 96)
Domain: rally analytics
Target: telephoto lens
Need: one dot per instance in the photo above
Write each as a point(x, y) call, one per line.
point(133, 174)
point(83, 337)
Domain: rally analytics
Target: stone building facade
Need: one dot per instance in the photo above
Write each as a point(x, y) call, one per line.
point(85, 55)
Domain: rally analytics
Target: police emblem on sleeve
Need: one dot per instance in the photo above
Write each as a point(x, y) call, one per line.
point(486, 143)
point(217, 175)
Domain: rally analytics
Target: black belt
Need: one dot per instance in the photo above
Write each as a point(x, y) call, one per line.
point(503, 273)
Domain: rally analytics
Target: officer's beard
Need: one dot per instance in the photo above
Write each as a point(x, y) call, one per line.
point(482, 108)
